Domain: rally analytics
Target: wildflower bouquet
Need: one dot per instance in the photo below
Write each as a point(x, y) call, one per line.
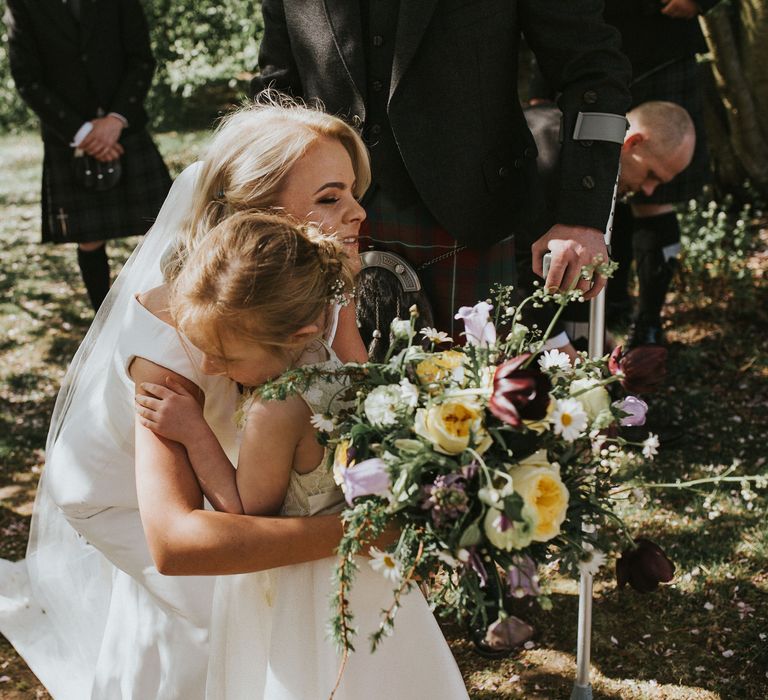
point(493, 458)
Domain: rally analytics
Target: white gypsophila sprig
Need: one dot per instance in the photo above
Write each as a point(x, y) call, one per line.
point(651, 446)
point(568, 419)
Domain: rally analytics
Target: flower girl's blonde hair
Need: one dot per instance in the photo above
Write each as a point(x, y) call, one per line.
point(261, 277)
point(248, 158)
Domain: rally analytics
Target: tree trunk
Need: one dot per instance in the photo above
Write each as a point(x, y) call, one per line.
point(737, 38)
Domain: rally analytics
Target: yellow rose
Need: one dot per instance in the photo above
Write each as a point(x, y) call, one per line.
point(537, 459)
point(341, 461)
point(542, 425)
point(440, 366)
point(449, 426)
point(594, 399)
point(516, 536)
point(543, 491)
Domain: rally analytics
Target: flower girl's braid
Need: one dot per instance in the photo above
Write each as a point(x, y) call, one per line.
point(258, 276)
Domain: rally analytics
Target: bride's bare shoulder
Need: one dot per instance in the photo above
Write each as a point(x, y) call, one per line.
point(156, 302)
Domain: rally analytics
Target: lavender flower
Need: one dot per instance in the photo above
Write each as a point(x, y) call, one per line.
point(446, 498)
point(475, 562)
point(369, 478)
point(478, 327)
point(636, 408)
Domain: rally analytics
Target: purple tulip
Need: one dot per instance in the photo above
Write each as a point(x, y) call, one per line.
point(644, 567)
point(519, 394)
point(635, 408)
point(644, 367)
point(478, 327)
point(508, 633)
point(522, 577)
point(475, 562)
point(369, 478)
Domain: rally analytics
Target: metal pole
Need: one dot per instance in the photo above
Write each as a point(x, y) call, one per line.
point(582, 689)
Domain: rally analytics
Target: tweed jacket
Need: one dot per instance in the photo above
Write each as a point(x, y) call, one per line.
point(453, 102)
point(67, 71)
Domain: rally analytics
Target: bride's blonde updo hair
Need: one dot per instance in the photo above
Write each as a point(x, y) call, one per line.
point(251, 151)
point(258, 277)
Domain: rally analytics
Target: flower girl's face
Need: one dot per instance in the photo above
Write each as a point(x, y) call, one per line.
point(320, 188)
point(246, 362)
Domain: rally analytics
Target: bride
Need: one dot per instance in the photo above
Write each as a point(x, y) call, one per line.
point(88, 609)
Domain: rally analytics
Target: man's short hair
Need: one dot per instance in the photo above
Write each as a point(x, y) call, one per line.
point(666, 124)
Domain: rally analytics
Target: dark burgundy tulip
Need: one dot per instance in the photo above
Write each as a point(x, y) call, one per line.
point(644, 567)
point(519, 393)
point(644, 367)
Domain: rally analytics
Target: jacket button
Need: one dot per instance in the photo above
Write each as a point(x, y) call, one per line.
point(518, 163)
point(376, 129)
point(528, 152)
point(590, 97)
point(586, 143)
point(588, 182)
point(503, 172)
point(377, 85)
point(378, 40)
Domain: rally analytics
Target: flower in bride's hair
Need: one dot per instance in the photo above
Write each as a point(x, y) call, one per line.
point(368, 478)
point(435, 336)
point(385, 564)
point(568, 419)
point(478, 326)
point(323, 422)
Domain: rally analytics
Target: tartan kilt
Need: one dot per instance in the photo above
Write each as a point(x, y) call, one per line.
point(450, 276)
point(70, 213)
point(679, 82)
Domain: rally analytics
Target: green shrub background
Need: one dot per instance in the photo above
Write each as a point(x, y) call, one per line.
point(204, 55)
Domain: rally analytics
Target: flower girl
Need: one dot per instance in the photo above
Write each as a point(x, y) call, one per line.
point(253, 298)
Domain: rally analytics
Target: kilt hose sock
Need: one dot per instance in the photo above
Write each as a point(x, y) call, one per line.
point(94, 267)
point(655, 244)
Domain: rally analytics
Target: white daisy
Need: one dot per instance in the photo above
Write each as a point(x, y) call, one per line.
point(568, 419)
point(554, 359)
point(591, 561)
point(435, 336)
point(651, 446)
point(321, 421)
point(385, 564)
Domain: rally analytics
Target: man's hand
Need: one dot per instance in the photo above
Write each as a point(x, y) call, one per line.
point(680, 9)
point(572, 248)
point(102, 141)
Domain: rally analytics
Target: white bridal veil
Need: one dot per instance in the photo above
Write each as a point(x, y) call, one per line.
point(54, 604)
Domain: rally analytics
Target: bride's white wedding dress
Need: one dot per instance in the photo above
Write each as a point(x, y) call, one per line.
point(269, 630)
point(87, 609)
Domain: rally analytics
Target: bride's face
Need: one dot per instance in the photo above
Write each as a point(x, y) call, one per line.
point(319, 188)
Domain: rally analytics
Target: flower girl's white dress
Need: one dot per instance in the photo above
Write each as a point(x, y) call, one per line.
point(269, 633)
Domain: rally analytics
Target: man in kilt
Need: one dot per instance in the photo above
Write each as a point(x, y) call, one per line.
point(84, 67)
point(661, 39)
point(433, 85)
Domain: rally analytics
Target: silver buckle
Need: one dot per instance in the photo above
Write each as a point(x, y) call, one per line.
point(397, 265)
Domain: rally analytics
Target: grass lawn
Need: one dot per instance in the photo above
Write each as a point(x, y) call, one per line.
point(704, 637)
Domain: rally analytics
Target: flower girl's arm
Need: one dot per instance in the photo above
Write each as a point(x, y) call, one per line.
point(272, 433)
point(174, 410)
